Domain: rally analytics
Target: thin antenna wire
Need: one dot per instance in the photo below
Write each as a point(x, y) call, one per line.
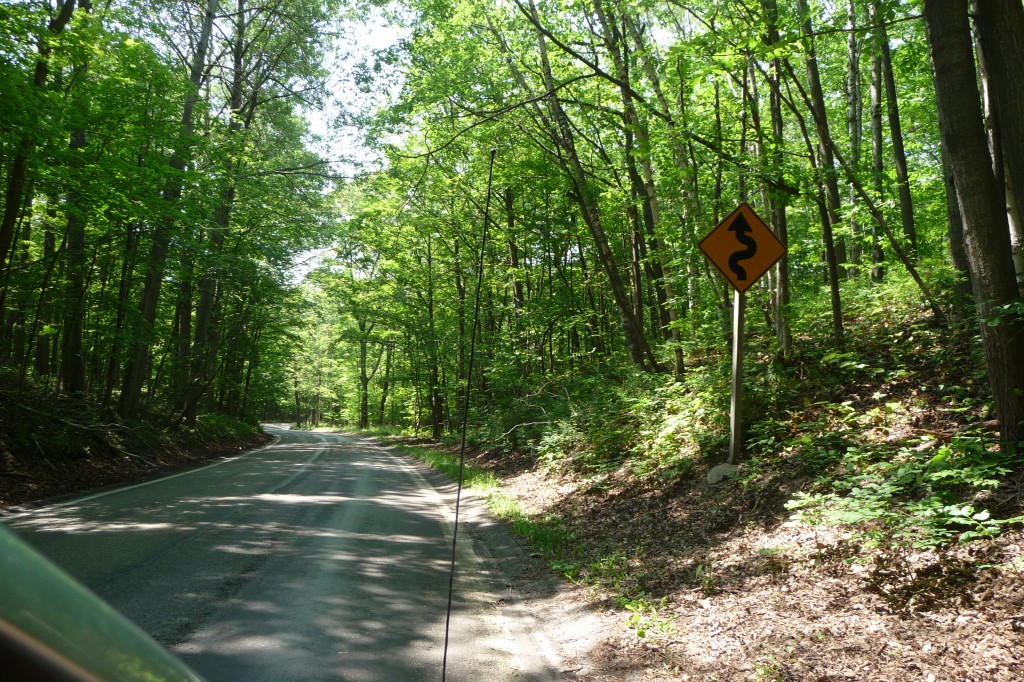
point(465, 413)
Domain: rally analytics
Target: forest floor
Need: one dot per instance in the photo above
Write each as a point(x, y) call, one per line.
point(724, 588)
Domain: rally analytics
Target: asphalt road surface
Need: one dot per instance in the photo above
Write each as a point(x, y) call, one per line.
point(318, 557)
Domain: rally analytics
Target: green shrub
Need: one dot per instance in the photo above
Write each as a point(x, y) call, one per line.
point(913, 495)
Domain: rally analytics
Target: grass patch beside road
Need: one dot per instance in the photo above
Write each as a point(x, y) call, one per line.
point(545, 533)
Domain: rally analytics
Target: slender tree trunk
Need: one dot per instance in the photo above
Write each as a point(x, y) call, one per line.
point(587, 198)
point(981, 203)
point(877, 144)
point(658, 253)
point(182, 335)
point(513, 253)
point(20, 338)
point(896, 135)
point(690, 212)
point(955, 234)
point(830, 210)
point(123, 292)
point(636, 261)
point(433, 362)
point(364, 378)
point(854, 119)
point(640, 155)
point(251, 365)
point(385, 382)
point(44, 342)
point(206, 341)
point(72, 367)
point(777, 201)
point(72, 363)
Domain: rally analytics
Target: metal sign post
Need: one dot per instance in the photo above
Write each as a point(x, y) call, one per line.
point(739, 304)
point(743, 249)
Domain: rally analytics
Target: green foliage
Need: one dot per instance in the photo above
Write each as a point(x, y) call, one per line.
point(925, 496)
point(1009, 312)
point(680, 424)
point(224, 427)
point(647, 620)
point(447, 463)
point(545, 533)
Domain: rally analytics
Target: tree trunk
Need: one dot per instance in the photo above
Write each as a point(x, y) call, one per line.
point(661, 272)
point(830, 210)
point(72, 363)
point(981, 203)
point(690, 206)
point(896, 134)
point(877, 145)
point(44, 342)
point(385, 383)
point(955, 235)
point(854, 118)
point(587, 198)
point(777, 201)
point(364, 379)
point(433, 370)
point(206, 340)
point(72, 368)
point(1000, 25)
point(123, 291)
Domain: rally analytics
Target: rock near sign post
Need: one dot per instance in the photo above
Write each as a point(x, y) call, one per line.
point(743, 249)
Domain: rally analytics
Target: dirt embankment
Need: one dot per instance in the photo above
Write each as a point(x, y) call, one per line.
point(57, 446)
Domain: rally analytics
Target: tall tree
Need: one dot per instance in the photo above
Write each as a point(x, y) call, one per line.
point(777, 199)
point(892, 109)
point(982, 207)
point(1000, 25)
point(585, 195)
point(830, 210)
point(72, 362)
point(138, 364)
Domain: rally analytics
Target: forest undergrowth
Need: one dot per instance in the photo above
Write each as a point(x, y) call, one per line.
point(873, 530)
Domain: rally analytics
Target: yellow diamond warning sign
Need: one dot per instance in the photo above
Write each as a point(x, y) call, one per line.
point(742, 247)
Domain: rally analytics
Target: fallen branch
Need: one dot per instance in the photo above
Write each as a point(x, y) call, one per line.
point(523, 424)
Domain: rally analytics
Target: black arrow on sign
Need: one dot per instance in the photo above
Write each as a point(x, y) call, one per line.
point(742, 229)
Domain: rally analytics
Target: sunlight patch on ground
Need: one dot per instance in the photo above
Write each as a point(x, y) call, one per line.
point(61, 524)
point(277, 498)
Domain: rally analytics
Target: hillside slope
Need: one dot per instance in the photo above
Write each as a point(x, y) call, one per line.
point(58, 446)
point(873, 531)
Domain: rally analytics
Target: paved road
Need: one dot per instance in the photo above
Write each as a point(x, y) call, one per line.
point(319, 557)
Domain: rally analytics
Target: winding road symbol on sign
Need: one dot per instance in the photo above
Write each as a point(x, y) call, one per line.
point(742, 230)
point(742, 248)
